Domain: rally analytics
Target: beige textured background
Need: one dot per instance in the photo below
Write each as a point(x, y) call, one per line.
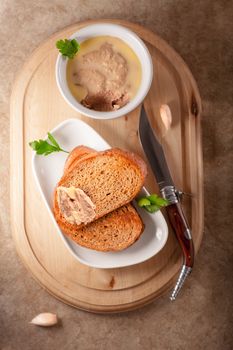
point(201, 31)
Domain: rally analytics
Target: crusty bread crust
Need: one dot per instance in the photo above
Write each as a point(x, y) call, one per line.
point(112, 232)
point(76, 154)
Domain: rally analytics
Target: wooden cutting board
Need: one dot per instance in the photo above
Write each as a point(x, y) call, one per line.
point(37, 107)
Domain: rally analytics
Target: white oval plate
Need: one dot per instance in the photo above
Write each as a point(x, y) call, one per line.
point(48, 171)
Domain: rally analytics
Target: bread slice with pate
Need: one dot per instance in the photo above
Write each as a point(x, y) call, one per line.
point(81, 212)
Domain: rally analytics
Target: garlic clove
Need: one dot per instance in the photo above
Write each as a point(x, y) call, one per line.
point(166, 116)
point(45, 319)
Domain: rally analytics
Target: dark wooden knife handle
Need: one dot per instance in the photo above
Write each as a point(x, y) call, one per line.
point(182, 231)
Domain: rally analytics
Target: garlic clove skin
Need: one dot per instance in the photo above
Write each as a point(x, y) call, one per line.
point(166, 116)
point(45, 319)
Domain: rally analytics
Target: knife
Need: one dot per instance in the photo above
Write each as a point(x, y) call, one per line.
point(155, 155)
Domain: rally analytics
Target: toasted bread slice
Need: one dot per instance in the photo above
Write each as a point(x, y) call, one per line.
point(110, 179)
point(114, 231)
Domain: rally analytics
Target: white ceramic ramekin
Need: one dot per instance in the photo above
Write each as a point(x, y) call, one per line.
point(134, 42)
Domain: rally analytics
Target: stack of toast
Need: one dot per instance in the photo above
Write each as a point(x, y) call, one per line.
point(111, 179)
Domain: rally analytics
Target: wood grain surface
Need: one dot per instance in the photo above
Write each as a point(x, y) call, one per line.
point(36, 107)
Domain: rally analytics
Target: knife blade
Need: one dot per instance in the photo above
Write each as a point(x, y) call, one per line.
point(155, 155)
point(152, 147)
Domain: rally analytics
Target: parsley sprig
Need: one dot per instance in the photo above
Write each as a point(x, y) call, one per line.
point(152, 203)
point(43, 147)
point(68, 48)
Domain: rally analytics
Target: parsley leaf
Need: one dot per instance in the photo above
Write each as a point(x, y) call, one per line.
point(152, 203)
point(143, 202)
point(68, 48)
point(43, 147)
point(152, 208)
point(52, 140)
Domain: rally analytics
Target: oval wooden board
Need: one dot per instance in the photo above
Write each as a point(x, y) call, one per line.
point(36, 107)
